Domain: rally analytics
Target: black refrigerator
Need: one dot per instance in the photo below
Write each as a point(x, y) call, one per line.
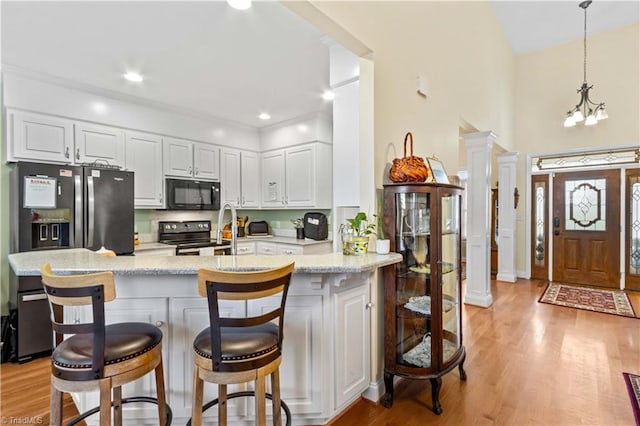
point(57, 207)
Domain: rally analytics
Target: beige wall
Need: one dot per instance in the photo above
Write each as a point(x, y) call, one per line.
point(461, 50)
point(546, 84)
point(475, 79)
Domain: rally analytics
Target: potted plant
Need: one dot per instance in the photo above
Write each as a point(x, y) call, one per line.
point(299, 225)
point(355, 234)
point(383, 244)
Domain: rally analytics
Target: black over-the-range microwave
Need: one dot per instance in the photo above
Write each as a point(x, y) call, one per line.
point(185, 194)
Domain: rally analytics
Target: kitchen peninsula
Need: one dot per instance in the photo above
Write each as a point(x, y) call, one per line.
point(327, 346)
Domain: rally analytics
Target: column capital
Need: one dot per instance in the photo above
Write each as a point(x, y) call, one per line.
point(479, 140)
point(507, 157)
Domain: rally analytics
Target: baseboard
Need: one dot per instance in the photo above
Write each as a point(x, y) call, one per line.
point(510, 278)
point(375, 391)
point(482, 301)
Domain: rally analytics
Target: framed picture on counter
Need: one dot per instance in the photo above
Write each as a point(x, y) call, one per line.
point(438, 173)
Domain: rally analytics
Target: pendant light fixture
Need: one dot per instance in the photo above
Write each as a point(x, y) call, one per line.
point(586, 110)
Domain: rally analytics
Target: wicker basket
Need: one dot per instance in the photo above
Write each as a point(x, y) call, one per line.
point(408, 168)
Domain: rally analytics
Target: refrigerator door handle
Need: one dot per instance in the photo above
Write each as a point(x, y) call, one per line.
point(77, 228)
point(91, 211)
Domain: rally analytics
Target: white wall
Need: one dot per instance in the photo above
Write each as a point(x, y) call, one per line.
point(310, 128)
point(82, 104)
point(458, 47)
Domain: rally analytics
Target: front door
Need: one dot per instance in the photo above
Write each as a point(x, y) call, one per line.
point(586, 228)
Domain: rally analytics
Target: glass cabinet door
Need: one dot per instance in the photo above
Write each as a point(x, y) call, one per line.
point(413, 278)
point(449, 275)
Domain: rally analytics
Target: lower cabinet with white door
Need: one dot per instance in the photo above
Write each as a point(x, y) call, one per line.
point(325, 364)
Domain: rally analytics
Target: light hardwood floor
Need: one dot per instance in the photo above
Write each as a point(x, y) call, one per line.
point(527, 363)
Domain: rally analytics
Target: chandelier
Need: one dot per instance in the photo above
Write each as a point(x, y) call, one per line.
point(586, 110)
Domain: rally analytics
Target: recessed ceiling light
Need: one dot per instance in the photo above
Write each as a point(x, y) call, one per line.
point(239, 4)
point(133, 76)
point(328, 95)
point(264, 116)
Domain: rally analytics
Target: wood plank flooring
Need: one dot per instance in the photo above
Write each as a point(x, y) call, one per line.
point(528, 363)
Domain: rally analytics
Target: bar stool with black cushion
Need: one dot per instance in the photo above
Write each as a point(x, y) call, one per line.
point(98, 356)
point(240, 350)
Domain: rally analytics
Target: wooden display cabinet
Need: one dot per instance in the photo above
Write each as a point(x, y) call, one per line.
point(423, 333)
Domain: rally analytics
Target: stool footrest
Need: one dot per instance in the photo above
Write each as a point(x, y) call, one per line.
point(95, 410)
point(284, 406)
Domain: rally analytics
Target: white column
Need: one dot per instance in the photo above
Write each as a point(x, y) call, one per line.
point(506, 217)
point(479, 147)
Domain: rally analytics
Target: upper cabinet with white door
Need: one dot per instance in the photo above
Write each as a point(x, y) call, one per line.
point(144, 158)
point(39, 137)
point(297, 177)
point(187, 159)
point(239, 178)
point(100, 144)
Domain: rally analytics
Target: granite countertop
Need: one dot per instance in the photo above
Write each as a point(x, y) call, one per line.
point(85, 261)
point(282, 240)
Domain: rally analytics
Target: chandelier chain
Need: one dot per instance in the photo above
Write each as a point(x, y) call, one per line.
point(585, 44)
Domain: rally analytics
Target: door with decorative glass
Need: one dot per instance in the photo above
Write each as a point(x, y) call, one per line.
point(586, 228)
point(632, 236)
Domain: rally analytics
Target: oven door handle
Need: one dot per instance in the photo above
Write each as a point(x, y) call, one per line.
point(187, 252)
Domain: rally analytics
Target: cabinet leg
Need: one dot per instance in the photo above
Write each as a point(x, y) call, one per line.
point(463, 374)
point(436, 384)
point(387, 399)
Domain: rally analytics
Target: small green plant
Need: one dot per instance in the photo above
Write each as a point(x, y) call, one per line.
point(361, 225)
point(298, 223)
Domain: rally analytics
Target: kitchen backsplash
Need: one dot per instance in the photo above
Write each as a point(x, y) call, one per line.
point(146, 221)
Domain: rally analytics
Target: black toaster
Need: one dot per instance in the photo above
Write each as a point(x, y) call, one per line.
point(259, 228)
point(315, 226)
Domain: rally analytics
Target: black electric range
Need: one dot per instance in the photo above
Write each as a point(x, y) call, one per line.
point(189, 237)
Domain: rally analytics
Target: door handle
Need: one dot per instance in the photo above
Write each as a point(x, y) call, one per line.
point(556, 222)
point(77, 225)
point(66, 153)
point(91, 211)
point(78, 154)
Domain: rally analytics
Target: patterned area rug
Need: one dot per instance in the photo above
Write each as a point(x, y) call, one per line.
point(633, 387)
point(591, 299)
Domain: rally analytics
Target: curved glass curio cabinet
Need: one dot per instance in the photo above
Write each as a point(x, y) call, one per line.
point(423, 336)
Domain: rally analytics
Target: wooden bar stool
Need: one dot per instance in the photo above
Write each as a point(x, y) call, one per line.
point(98, 356)
point(239, 350)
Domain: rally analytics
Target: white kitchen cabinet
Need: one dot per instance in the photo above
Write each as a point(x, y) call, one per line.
point(297, 177)
point(352, 323)
point(149, 310)
point(250, 179)
point(246, 247)
point(239, 178)
point(192, 160)
point(263, 247)
point(276, 248)
point(301, 378)
point(273, 189)
point(144, 158)
point(189, 316)
point(206, 161)
point(100, 144)
point(38, 137)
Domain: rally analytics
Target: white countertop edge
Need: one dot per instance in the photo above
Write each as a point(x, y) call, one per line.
point(86, 261)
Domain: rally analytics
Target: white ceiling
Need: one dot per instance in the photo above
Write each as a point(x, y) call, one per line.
point(534, 25)
point(208, 59)
point(204, 57)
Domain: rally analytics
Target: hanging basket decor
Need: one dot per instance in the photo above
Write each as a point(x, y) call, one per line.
point(408, 168)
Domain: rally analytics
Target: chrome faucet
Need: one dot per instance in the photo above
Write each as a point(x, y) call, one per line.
point(234, 227)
